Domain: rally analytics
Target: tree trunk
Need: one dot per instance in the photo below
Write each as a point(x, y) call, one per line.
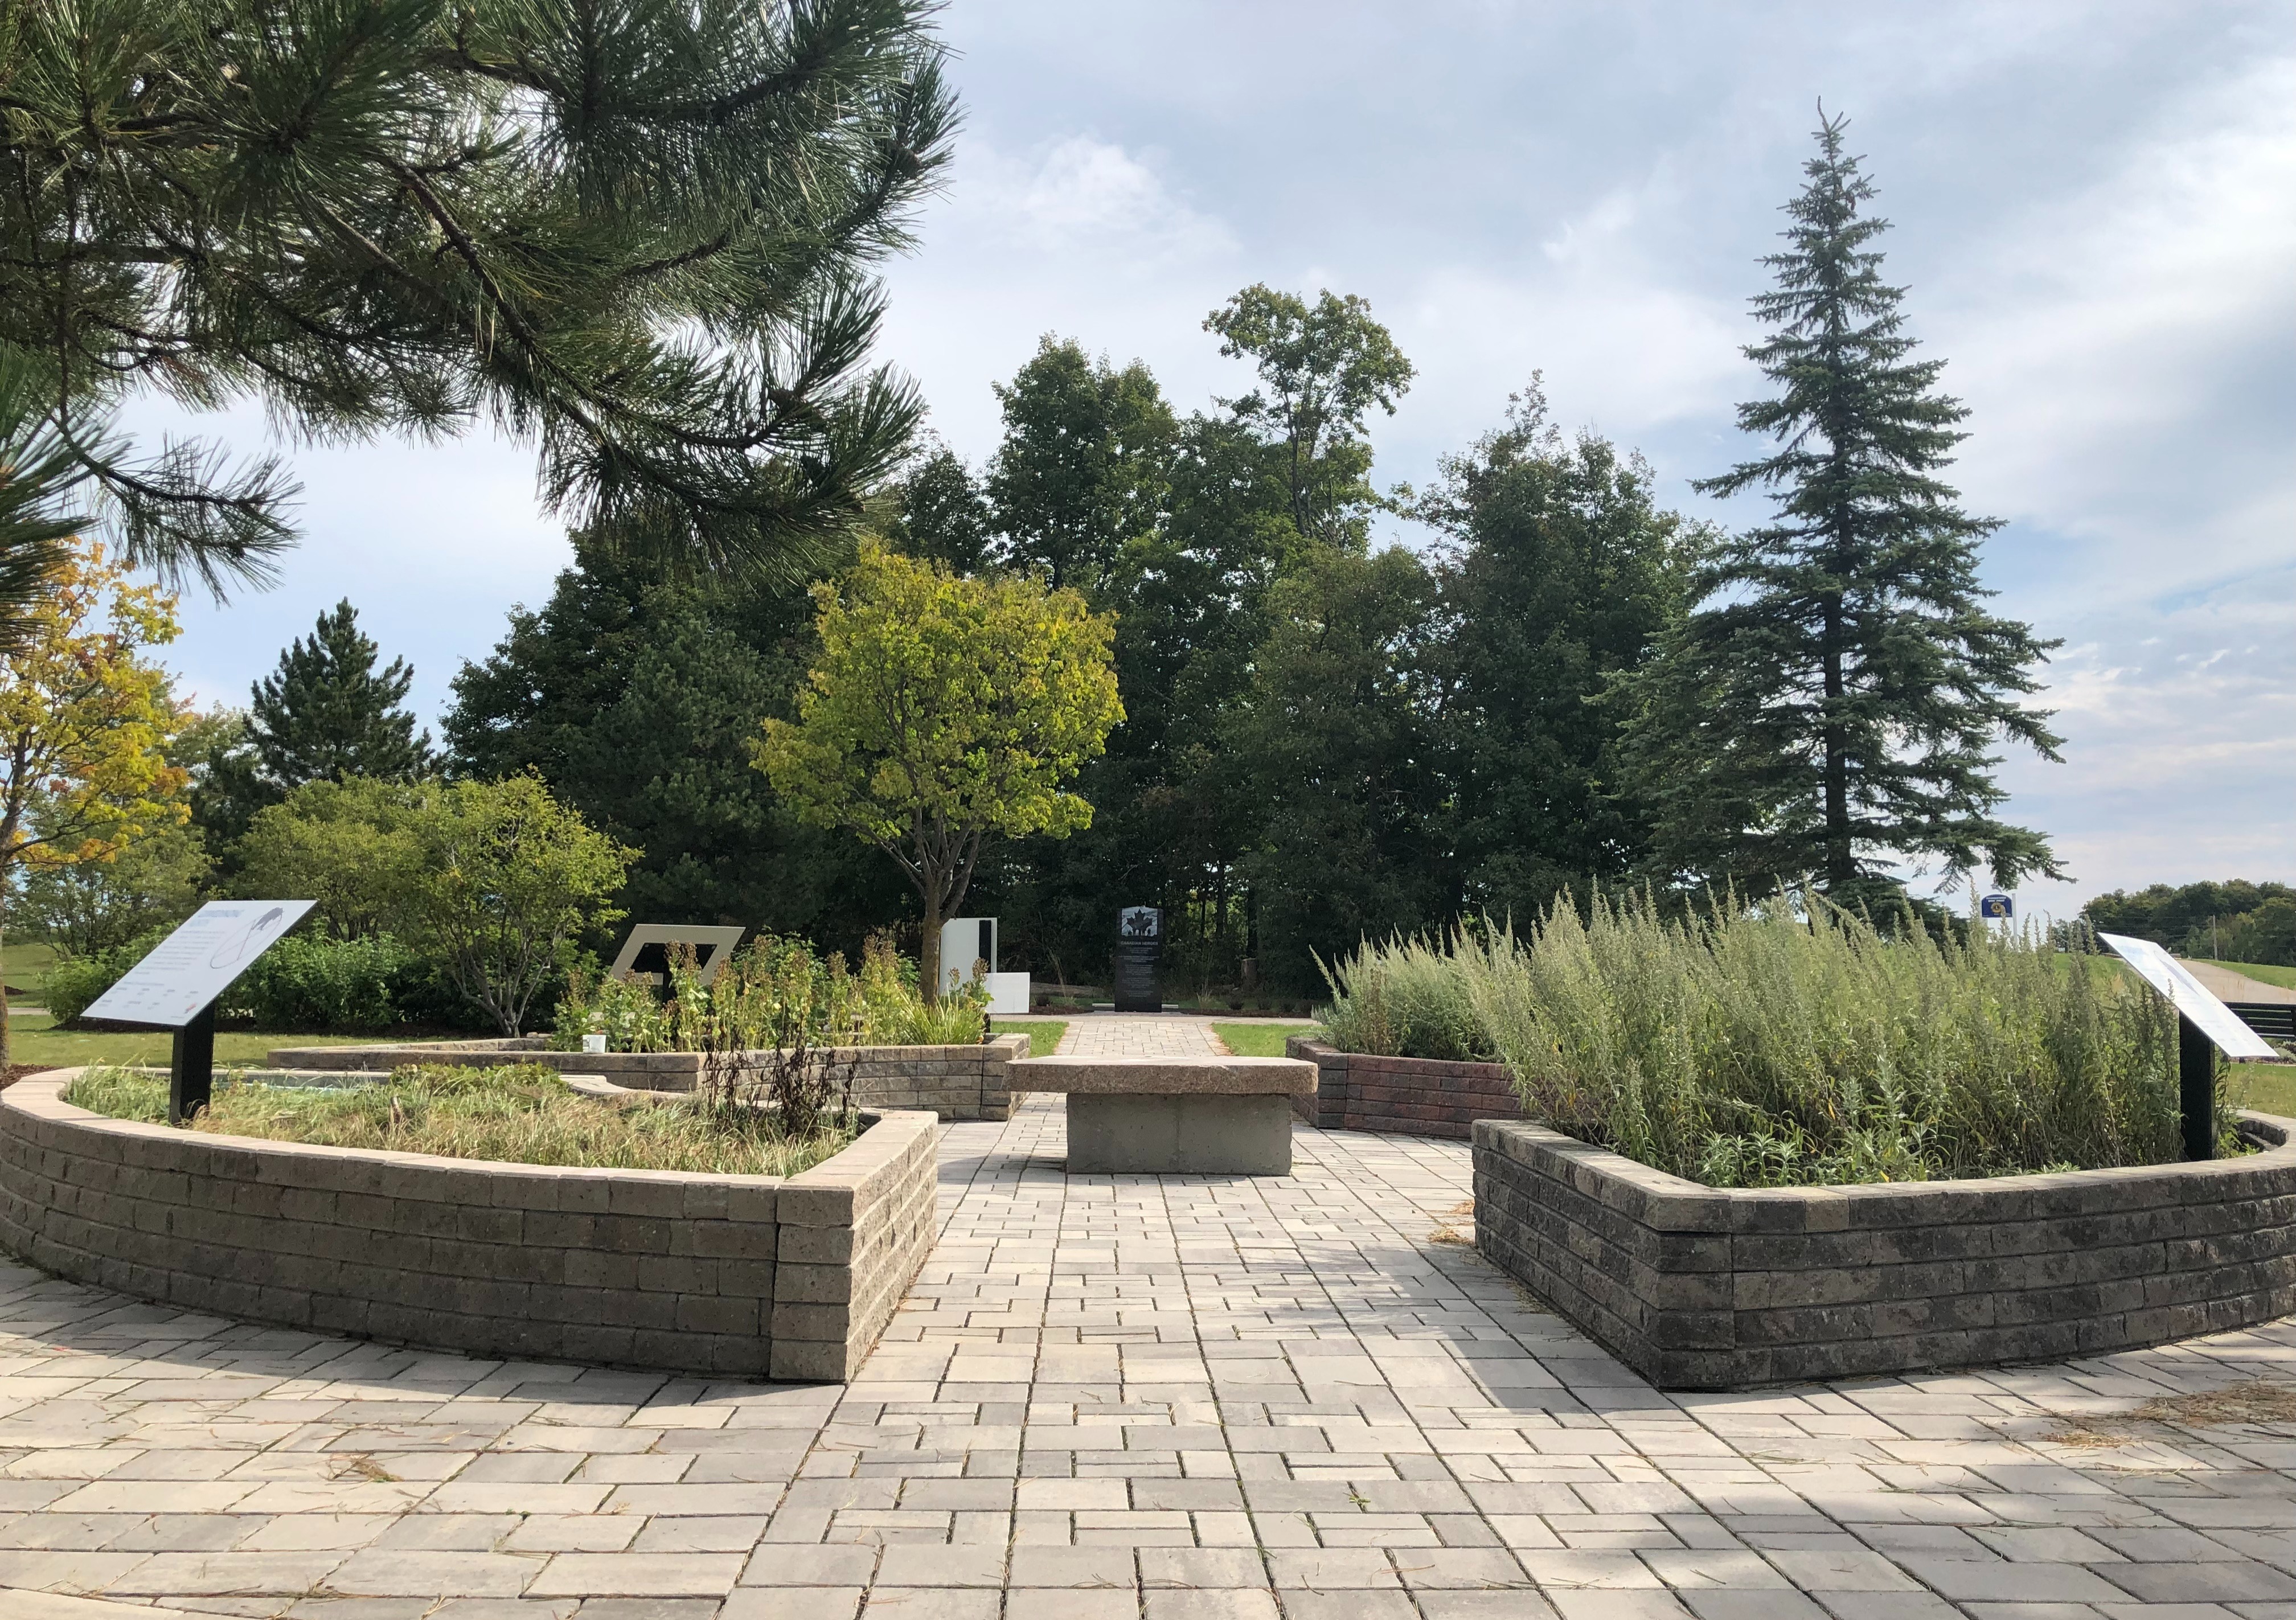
point(928, 947)
point(7, 1049)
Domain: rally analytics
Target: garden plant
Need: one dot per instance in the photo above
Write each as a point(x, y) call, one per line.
point(514, 1114)
point(1789, 1042)
point(771, 993)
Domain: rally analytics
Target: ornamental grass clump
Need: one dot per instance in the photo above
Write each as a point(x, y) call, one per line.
point(515, 1114)
point(1794, 1042)
point(1406, 998)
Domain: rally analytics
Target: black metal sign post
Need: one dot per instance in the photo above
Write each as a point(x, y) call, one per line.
point(2196, 1088)
point(191, 1069)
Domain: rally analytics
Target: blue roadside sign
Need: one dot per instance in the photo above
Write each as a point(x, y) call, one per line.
point(1999, 906)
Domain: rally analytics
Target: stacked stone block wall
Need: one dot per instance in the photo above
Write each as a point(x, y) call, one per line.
point(1419, 1096)
point(1701, 1288)
point(967, 1082)
point(756, 1276)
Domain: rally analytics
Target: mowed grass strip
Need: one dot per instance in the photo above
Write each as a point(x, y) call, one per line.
point(34, 1039)
point(521, 1115)
point(1261, 1037)
point(1044, 1034)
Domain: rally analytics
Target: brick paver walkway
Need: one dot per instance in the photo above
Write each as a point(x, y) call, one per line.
point(1117, 1397)
point(1145, 1034)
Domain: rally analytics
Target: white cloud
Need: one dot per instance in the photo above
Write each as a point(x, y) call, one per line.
point(1080, 198)
point(2104, 328)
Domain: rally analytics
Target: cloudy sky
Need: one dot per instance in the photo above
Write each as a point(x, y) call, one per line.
point(2095, 209)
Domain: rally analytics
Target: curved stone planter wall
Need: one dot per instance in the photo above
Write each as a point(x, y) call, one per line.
point(763, 1276)
point(1419, 1096)
point(965, 1081)
point(1703, 1287)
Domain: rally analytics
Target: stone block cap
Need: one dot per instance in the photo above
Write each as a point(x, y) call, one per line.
point(1167, 1076)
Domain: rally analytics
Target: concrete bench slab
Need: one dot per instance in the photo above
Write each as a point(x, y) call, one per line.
point(1168, 1076)
point(1173, 1115)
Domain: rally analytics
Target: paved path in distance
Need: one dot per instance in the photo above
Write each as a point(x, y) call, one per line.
point(1138, 1398)
point(1140, 1035)
point(2227, 986)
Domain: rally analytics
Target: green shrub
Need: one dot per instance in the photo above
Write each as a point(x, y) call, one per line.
point(309, 981)
point(1796, 1043)
point(72, 983)
point(1404, 999)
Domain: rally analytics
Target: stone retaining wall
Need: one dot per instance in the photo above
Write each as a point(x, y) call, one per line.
point(1420, 1096)
point(967, 1082)
point(757, 1276)
point(1703, 1287)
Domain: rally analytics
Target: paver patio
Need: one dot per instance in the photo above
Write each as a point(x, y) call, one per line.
point(1139, 1034)
point(1182, 1399)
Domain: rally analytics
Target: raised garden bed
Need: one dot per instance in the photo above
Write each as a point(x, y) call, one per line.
point(1358, 1090)
point(968, 1082)
point(758, 1276)
point(1705, 1288)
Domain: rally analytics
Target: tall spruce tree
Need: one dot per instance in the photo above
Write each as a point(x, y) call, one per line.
point(329, 712)
point(1831, 707)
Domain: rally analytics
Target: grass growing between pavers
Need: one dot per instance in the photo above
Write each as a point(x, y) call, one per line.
point(1260, 1037)
point(1044, 1034)
point(516, 1114)
point(35, 1040)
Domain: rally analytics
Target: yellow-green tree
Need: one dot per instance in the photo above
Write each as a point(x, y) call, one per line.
point(85, 719)
point(942, 710)
point(504, 878)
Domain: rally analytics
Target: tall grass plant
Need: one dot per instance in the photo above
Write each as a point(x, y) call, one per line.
point(1794, 1042)
point(1406, 998)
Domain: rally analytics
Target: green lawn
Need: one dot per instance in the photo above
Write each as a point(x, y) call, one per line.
point(2268, 1088)
point(25, 965)
point(2285, 978)
point(1044, 1034)
point(1261, 1037)
point(34, 1038)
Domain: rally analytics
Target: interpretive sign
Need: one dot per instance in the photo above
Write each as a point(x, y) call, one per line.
point(646, 952)
point(174, 987)
point(2205, 1026)
point(2193, 1000)
point(190, 967)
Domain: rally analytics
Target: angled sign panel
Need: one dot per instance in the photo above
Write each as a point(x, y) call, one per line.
point(190, 967)
point(2189, 996)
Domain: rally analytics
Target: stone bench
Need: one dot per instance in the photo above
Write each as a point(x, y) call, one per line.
point(1173, 1115)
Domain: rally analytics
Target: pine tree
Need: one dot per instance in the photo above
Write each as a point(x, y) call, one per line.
point(1831, 706)
point(638, 237)
point(329, 713)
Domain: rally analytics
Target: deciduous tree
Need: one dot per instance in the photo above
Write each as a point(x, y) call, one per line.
point(1560, 573)
point(85, 719)
point(1323, 367)
point(507, 879)
point(942, 711)
point(1082, 466)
